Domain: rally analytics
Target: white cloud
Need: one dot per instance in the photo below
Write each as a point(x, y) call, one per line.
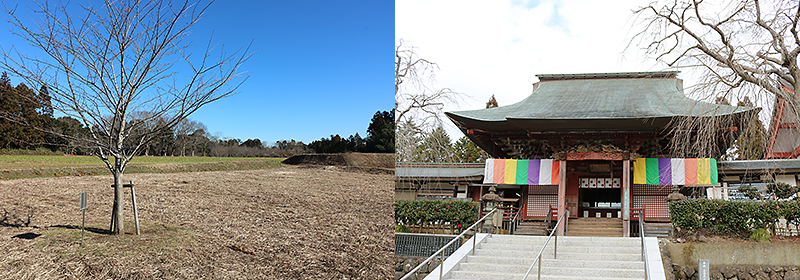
point(496, 47)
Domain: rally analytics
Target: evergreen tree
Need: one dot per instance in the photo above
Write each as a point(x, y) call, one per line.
point(380, 133)
point(492, 102)
point(752, 141)
point(465, 151)
point(435, 147)
point(408, 137)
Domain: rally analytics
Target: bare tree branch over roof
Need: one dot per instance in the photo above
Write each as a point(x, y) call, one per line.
point(744, 49)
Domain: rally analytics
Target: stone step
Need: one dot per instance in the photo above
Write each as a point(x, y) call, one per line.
point(598, 233)
point(571, 226)
point(563, 271)
point(595, 225)
point(616, 241)
point(531, 233)
point(566, 255)
point(591, 258)
point(531, 227)
point(533, 276)
point(657, 229)
point(565, 248)
point(555, 263)
point(579, 229)
point(549, 273)
point(595, 220)
point(589, 230)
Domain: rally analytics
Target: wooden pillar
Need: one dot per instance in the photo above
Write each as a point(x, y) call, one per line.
point(480, 203)
point(562, 194)
point(524, 199)
point(626, 198)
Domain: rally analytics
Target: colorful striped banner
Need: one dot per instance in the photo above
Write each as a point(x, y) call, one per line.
point(521, 171)
point(675, 171)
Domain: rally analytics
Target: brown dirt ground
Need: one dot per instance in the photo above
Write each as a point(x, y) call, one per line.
point(280, 223)
point(370, 162)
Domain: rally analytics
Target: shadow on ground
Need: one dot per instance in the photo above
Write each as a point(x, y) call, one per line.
point(90, 229)
point(29, 235)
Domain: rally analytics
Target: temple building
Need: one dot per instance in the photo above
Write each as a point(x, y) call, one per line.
point(596, 144)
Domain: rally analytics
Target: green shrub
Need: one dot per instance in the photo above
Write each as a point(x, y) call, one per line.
point(731, 217)
point(751, 192)
point(760, 235)
point(401, 228)
point(460, 214)
point(781, 190)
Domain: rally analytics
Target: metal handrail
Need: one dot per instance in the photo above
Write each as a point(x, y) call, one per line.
point(441, 250)
point(547, 217)
point(644, 251)
point(513, 226)
point(555, 246)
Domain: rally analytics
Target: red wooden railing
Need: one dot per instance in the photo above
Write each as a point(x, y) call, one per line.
point(635, 214)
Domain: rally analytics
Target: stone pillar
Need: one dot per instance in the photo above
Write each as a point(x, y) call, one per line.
point(626, 198)
point(562, 193)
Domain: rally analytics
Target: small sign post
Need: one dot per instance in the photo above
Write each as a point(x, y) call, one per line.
point(703, 269)
point(84, 203)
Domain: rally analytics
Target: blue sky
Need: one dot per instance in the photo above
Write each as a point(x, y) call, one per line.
point(318, 67)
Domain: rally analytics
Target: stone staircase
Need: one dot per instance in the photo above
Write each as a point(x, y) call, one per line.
point(604, 227)
point(509, 257)
point(532, 228)
point(659, 230)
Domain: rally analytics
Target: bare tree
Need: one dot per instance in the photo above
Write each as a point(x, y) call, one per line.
point(413, 96)
point(105, 64)
point(744, 48)
point(418, 107)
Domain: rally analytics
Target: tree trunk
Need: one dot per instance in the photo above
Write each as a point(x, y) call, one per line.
point(118, 225)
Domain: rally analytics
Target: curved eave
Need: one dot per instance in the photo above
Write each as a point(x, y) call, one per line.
point(464, 122)
point(572, 125)
point(585, 125)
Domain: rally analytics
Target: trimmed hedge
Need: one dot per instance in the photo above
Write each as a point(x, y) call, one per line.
point(461, 214)
point(737, 217)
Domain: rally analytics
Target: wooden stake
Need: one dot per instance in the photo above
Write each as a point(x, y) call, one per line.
point(135, 211)
point(113, 216)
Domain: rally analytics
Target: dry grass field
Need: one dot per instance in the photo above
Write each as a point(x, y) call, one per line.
point(278, 223)
point(38, 166)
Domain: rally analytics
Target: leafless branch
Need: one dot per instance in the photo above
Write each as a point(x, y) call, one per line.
point(415, 100)
point(744, 49)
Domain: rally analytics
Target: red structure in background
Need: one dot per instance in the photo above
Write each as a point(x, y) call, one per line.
point(784, 137)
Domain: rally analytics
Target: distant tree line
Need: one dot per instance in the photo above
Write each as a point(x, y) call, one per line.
point(34, 122)
point(380, 138)
point(30, 108)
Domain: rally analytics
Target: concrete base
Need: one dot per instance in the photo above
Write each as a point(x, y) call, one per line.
point(451, 263)
point(656, 268)
point(732, 254)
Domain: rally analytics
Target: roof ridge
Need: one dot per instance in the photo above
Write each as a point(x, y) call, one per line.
point(617, 75)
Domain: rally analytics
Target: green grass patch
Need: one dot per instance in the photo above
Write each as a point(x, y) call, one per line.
point(155, 237)
point(36, 166)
